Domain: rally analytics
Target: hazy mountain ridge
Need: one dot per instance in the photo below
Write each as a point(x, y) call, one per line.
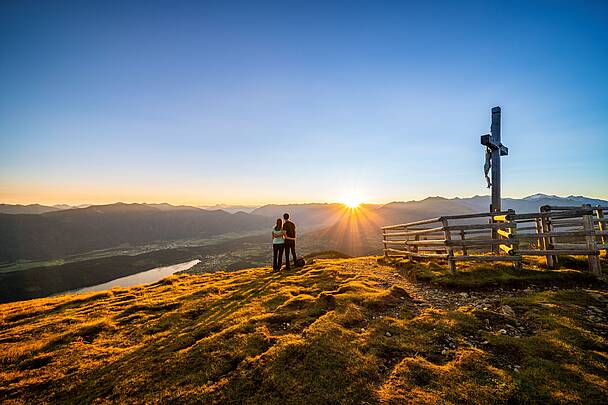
point(232, 208)
point(26, 209)
point(61, 233)
point(306, 215)
point(358, 232)
point(64, 232)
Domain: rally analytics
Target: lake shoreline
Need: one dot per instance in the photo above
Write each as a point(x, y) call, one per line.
point(141, 278)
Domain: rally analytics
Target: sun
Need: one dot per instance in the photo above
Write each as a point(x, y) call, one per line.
point(351, 201)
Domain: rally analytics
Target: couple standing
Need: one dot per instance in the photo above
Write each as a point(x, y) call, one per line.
point(283, 238)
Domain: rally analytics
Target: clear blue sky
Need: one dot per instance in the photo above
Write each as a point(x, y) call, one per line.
point(254, 102)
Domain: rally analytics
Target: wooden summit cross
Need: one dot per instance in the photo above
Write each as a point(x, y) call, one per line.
point(494, 150)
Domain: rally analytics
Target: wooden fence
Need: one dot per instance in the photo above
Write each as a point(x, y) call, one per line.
point(503, 236)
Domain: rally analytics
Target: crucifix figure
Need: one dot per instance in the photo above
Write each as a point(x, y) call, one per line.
point(494, 150)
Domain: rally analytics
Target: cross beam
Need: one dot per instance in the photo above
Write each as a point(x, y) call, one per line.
point(492, 142)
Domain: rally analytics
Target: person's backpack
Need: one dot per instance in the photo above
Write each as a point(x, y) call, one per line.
point(300, 262)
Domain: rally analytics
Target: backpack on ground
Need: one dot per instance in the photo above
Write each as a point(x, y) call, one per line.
point(300, 262)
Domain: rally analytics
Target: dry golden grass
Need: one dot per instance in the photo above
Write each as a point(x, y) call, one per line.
point(337, 331)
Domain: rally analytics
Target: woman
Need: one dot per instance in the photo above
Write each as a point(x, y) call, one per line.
point(278, 243)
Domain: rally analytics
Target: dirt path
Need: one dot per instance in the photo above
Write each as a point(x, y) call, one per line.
point(491, 302)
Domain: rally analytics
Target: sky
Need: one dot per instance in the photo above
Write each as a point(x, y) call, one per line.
point(281, 102)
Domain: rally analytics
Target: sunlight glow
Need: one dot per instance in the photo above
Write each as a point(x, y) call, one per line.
point(351, 201)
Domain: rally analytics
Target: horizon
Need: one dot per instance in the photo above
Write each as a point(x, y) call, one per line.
point(257, 103)
point(258, 205)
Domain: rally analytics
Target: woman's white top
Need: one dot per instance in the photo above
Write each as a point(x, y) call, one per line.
point(277, 236)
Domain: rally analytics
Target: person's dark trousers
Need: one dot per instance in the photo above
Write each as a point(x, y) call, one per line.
point(290, 245)
point(277, 256)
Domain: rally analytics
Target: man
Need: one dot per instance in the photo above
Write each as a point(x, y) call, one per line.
point(290, 240)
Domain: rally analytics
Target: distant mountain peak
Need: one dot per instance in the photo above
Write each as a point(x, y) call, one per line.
point(540, 196)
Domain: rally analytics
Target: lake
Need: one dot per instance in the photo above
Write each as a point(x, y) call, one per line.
point(144, 277)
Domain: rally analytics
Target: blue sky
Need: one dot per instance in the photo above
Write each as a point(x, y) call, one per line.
point(255, 102)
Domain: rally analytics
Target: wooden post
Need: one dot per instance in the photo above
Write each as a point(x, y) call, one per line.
point(593, 259)
point(384, 242)
point(513, 231)
point(539, 231)
point(408, 248)
point(464, 248)
point(602, 228)
point(495, 132)
point(492, 142)
point(552, 262)
point(449, 249)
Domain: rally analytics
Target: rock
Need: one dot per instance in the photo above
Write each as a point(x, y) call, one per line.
point(362, 329)
point(464, 294)
point(502, 331)
point(388, 334)
point(507, 310)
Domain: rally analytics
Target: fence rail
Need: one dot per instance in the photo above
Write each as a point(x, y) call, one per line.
point(506, 236)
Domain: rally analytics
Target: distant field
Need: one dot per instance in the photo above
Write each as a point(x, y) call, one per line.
point(123, 250)
point(41, 279)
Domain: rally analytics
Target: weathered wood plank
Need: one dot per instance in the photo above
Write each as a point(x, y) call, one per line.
point(555, 234)
point(535, 252)
point(420, 232)
point(487, 227)
point(433, 242)
point(428, 255)
point(470, 216)
point(421, 222)
point(488, 258)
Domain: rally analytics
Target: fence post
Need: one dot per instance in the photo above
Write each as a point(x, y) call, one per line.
point(539, 231)
point(409, 248)
point(449, 248)
point(384, 242)
point(515, 245)
point(593, 259)
point(552, 262)
point(602, 228)
point(464, 248)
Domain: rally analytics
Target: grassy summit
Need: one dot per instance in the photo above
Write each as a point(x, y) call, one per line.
point(337, 331)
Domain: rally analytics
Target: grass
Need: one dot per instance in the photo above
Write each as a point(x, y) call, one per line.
point(476, 276)
point(337, 331)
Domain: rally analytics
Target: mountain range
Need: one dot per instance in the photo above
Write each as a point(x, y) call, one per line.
point(30, 208)
point(59, 233)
